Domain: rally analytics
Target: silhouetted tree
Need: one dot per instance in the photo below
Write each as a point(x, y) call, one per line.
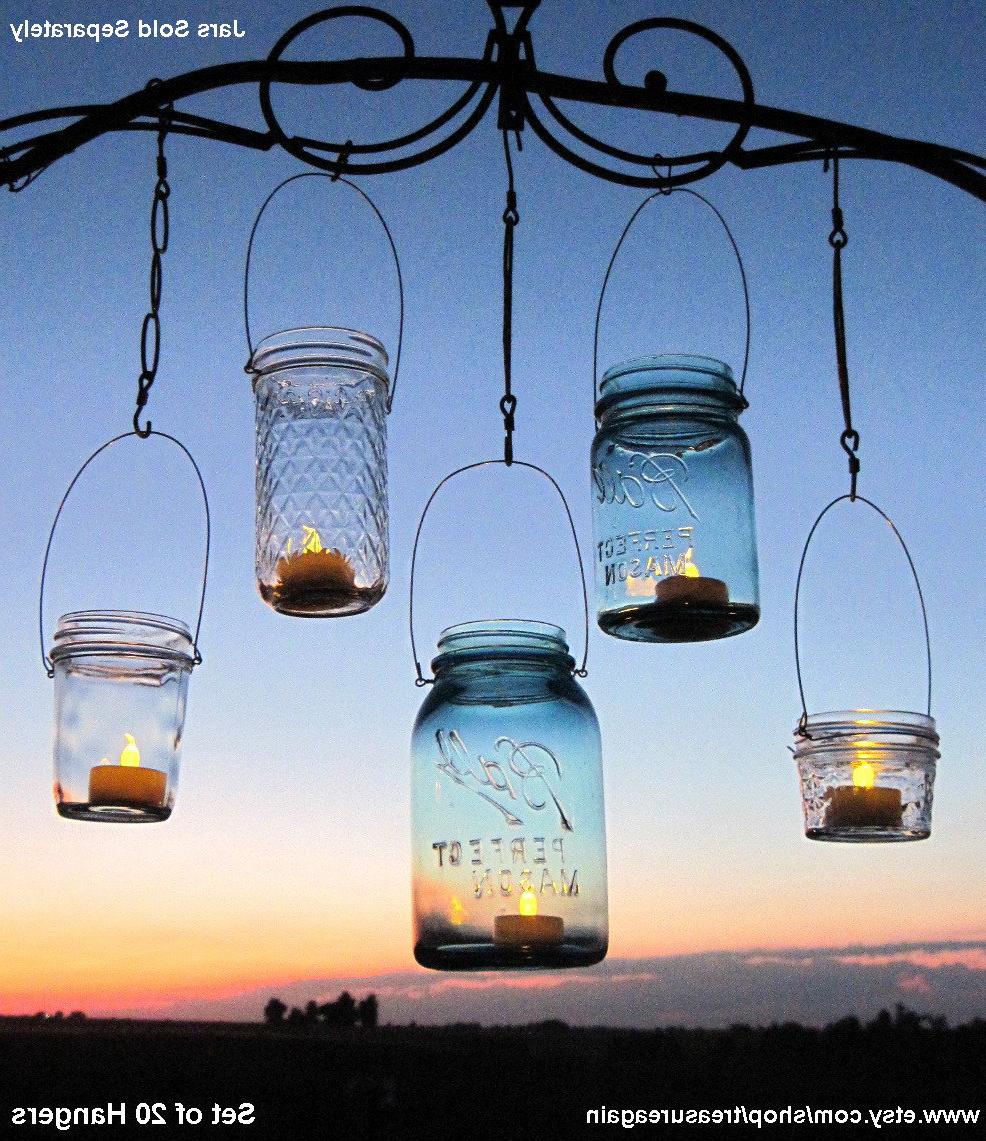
point(274, 1012)
point(296, 1017)
point(311, 1012)
point(367, 1012)
point(346, 1005)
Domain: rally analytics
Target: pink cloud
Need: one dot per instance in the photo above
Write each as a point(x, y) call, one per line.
point(972, 958)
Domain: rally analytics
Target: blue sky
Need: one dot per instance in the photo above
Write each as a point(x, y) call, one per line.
point(288, 853)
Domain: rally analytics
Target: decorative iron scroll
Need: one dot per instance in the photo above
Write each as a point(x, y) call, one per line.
point(506, 68)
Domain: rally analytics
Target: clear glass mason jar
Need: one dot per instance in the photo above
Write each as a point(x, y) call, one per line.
point(121, 686)
point(508, 837)
point(675, 538)
point(322, 517)
point(867, 774)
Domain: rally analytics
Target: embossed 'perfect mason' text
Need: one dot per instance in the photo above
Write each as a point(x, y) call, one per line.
point(504, 866)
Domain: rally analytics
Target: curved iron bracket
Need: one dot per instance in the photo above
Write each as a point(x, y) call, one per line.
point(506, 67)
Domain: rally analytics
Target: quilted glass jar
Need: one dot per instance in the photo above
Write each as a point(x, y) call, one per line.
point(675, 541)
point(867, 774)
point(508, 844)
point(322, 518)
point(121, 686)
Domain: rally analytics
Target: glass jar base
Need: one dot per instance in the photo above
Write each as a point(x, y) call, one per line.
point(489, 957)
point(113, 813)
point(679, 621)
point(308, 602)
point(867, 835)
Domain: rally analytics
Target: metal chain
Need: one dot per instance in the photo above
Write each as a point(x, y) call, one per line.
point(838, 240)
point(508, 402)
point(150, 334)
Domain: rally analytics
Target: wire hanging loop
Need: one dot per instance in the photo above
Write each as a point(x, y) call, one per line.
point(802, 725)
point(665, 192)
point(150, 333)
point(511, 218)
point(46, 661)
point(580, 670)
point(838, 240)
point(334, 177)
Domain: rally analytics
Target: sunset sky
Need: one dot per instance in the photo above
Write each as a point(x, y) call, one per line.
point(285, 867)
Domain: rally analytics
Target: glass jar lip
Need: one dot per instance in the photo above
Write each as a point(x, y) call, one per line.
point(501, 637)
point(333, 346)
point(862, 722)
point(671, 375)
point(132, 632)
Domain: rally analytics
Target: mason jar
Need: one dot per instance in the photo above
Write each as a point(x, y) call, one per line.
point(121, 686)
point(322, 518)
point(508, 844)
point(675, 541)
point(867, 774)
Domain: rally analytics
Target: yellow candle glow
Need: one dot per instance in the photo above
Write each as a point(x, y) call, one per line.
point(527, 928)
point(861, 804)
point(126, 785)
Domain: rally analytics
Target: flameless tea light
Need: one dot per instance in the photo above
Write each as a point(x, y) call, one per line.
point(690, 588)
point(313, 570)
point(862, 804)
point(126, 784)
point(527, 928)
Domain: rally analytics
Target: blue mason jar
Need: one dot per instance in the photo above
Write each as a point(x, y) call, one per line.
point(675, 541)
point(508, 843)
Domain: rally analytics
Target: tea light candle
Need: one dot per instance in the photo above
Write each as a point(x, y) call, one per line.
point(691, 587)
point(528, 928)
point(126, 784)
point(861, 805)
point(314, 567)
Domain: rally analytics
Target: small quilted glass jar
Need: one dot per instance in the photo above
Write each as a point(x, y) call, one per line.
point(675, 540)
point(867, 774)
point(322, 517)
point(508, 840)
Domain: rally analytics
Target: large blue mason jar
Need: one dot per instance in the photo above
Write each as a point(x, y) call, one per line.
point(508, 838)
point(675, 541)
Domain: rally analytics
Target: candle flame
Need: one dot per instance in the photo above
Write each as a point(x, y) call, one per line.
point(690, 570)
point(457, 913)
point(863, 774)
point(528, 904)
point(312, 544)
point(131, 754)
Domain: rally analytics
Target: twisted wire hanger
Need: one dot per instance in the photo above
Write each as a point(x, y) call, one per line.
point(150, 333)
point(838, 240)
point(511, 217)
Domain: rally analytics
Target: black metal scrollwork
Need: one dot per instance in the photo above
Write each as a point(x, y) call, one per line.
point(655, 81)
point(303, 148)
point(507, 66)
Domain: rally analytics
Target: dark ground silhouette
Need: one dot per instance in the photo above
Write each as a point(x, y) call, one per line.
point(325, 1080)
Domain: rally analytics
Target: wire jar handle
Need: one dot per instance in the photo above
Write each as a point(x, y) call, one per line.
point(666, 192)
point(802, 727)
point(390, 240)
point(49, 667)
point(581, 670)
